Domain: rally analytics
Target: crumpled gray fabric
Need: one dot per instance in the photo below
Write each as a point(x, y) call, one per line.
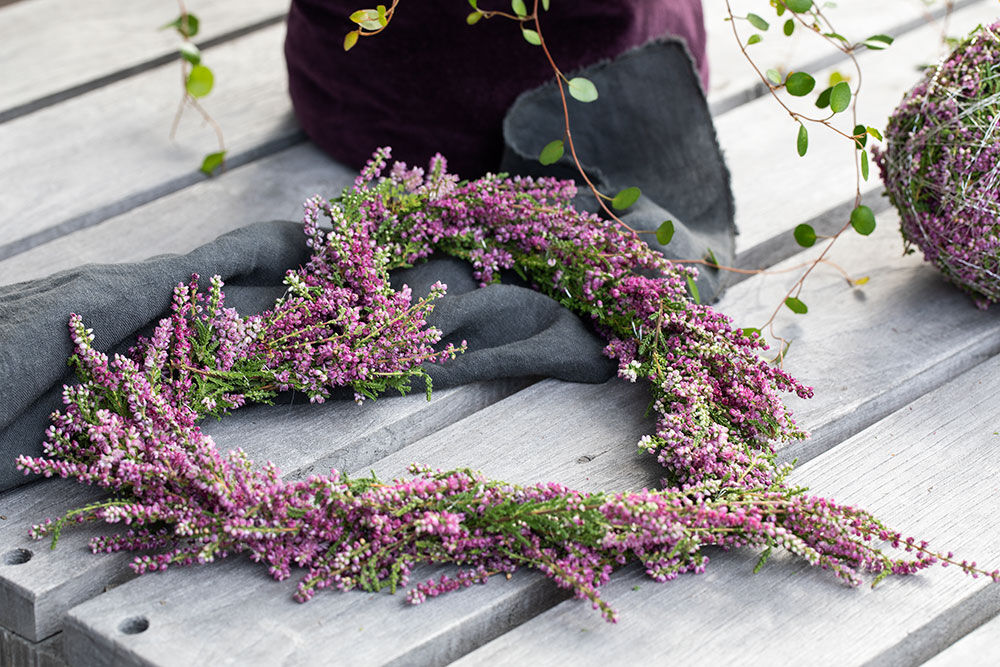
point(650, 128)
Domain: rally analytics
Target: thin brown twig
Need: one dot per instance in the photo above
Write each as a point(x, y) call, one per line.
point(560, 77)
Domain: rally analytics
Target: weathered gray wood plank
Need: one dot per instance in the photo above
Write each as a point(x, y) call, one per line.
point(930, 469)
point(53, 47)
point(16, 651)
point(585, 436)
point(37, 585)
point(86, 159)
point(774, 188)
point(35, 593)
point(980, 647)
point(271, 188)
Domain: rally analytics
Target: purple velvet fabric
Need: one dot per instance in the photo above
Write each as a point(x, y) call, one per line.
point(430, 83)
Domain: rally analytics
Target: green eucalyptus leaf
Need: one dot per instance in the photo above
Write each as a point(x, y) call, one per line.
point(186, 24)
point(190, 53)
point(840, 97)
point(473, 18)
point(874, 132)
point(798, 6)
point(518, 7)
point(363, 16)
point(802, 141)
point(796, 306)
point(800, 84)
point(350, 39)
point(383, 20)
point(823, 99)
point(582, 89)
point(626, 198)
point(860, 136)
point(864, 165)
point(757, 22)
point(774, 76)
point(805, 235)
point(665, 232)
point(531, 36)
point(552, 152)
point(754, 39)
point(200, 81)
point(545, 5)
point(878, 42)
point(863, 220)
point(212, 162)
point(789, 27)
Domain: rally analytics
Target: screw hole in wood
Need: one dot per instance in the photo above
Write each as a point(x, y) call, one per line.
point(134, 625)
point(17, 557)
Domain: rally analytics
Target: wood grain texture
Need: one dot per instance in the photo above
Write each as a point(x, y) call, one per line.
point(48, 46)
point(191, 612)
point(35, 594)
point(774, 188)
point(16, 651)
point(105, 152)
point(270, 188)
point(930, 469)
point(38, 584)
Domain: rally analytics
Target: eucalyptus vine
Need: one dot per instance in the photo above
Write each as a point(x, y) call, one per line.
point(197, 81)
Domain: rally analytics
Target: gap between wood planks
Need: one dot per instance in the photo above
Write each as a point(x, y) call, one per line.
point(102, 213)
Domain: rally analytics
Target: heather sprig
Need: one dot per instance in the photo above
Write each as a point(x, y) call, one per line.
point(131, 424)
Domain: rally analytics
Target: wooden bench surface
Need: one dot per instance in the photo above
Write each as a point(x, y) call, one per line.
point(905, 369)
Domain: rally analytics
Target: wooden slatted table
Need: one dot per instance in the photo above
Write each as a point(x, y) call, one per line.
point(904, 422)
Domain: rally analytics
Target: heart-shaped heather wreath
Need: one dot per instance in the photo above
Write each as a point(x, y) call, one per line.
point(130, 425)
